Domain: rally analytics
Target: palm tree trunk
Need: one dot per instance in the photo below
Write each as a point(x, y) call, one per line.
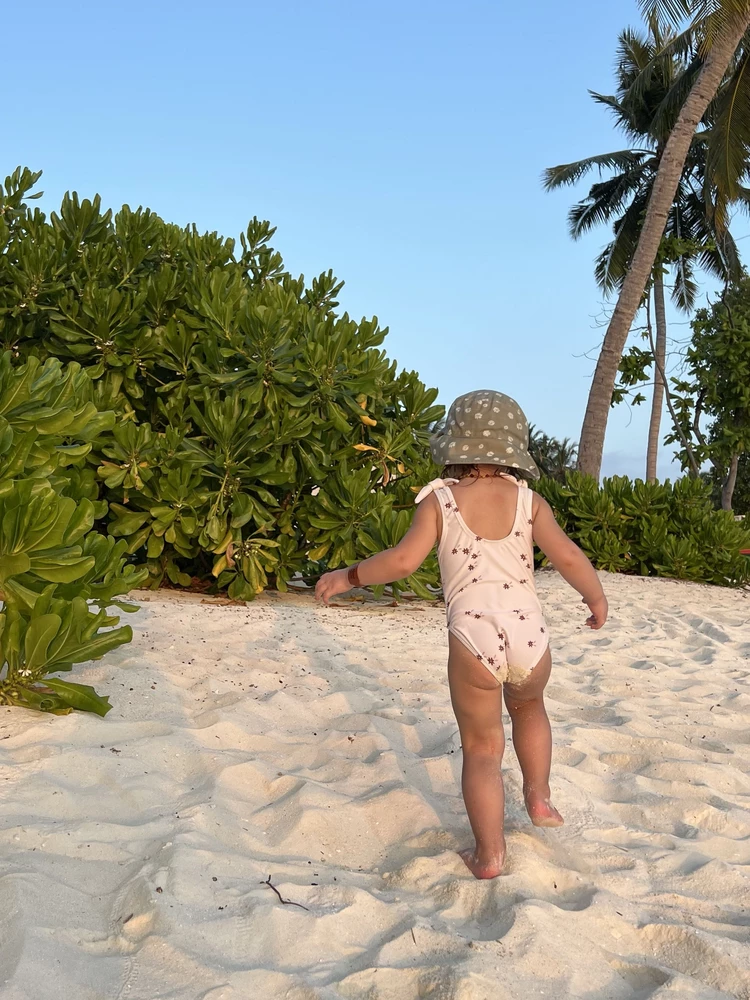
point(727, 490)
point(660, 361)
point(665, 187)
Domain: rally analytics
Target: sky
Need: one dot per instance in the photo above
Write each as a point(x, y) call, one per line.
point(399, 143)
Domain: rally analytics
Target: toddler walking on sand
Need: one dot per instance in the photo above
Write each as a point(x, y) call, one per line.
point(486, 521)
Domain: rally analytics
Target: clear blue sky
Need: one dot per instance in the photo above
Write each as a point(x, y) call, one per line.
point(399, 143)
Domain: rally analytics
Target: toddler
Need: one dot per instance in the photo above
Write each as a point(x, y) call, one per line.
point(486, 521)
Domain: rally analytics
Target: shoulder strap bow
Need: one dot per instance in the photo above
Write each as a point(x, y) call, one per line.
point(436, 484)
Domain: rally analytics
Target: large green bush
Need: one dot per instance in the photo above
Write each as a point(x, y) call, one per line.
point(248, 409)
point(58, 576)
point(651, 529)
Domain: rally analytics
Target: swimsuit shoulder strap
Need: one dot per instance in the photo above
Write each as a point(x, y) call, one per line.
point(526, 506)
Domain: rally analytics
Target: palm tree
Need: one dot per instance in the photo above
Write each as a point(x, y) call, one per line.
point(554, 457)
point(563, 460)
point(721, 87)
point(691, 229)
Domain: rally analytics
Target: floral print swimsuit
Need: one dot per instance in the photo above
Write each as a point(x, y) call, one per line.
point(491, 601)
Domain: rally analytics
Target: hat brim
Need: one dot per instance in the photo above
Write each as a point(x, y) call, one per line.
point(480, 451)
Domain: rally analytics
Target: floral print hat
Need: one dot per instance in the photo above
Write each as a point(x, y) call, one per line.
point(485, 427)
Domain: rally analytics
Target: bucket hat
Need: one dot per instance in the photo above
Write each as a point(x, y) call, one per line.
point(485, 427)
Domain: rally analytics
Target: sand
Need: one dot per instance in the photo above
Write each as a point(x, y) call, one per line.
point(317, 747)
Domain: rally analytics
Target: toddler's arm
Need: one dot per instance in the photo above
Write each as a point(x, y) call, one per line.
point(392, 564)
point(569, 561)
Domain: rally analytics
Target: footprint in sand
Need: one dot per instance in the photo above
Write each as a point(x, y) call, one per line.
point(604, 716)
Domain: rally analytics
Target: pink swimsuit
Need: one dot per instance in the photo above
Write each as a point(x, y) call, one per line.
point(490, 596)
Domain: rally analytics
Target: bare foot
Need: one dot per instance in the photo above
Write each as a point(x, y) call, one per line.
point(482, 869)
point(542, 812)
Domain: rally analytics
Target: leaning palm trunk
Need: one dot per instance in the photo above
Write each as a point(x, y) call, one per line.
point(660, 359)
point(665, 186)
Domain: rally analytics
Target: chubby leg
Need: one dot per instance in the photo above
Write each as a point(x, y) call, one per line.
point(532, 739)
point(477, 701)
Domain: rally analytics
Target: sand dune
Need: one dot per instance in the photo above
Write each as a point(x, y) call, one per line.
point(317, 747)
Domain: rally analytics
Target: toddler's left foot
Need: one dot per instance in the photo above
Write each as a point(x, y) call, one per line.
point(542, 812)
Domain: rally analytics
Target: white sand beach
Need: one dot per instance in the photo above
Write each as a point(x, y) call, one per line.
point(317, 746)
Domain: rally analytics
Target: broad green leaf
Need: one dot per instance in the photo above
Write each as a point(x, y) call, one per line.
point(73, 450)
point(39, 634)
point(137, 540)
point(242, 510)
point(61, 569)
point(94, 648)
point(79, 696)
point(319, 552)
point(115, 479)
point(155, 546)
point(24, 596)
point(13, 565)
point(41, 701)
point(127, 524)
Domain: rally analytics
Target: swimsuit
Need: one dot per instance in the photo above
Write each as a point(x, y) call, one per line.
point(491, 601)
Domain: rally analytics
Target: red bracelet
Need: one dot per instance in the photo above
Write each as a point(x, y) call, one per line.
point(352, 575)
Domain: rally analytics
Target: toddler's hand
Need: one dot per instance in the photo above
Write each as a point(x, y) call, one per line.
point(331, 584)
point(599, 611)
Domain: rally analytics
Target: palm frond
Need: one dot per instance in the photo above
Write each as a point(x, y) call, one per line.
point(608, 100)
point(613, 262)
point(685, 288)
point(693, 219)
point(571, 173)
point(607, 199)
point(743, 198)
point(605, 270)
point(634, 52)
point(722, 259)
point(678, 50)
point(716, 102)
point(669, 11)
point(729, 146)
point(711, 15)
point(668, 110)
point(622, 115)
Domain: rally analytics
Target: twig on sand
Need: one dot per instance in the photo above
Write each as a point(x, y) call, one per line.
point(286, 902)
point(412, 935)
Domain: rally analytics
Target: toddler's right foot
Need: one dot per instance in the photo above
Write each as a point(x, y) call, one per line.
point(483, 869)
point(542, 812)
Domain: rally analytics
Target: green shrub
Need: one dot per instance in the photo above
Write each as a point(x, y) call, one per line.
point(248, 409)
point(651, 529)
point(57, 575)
